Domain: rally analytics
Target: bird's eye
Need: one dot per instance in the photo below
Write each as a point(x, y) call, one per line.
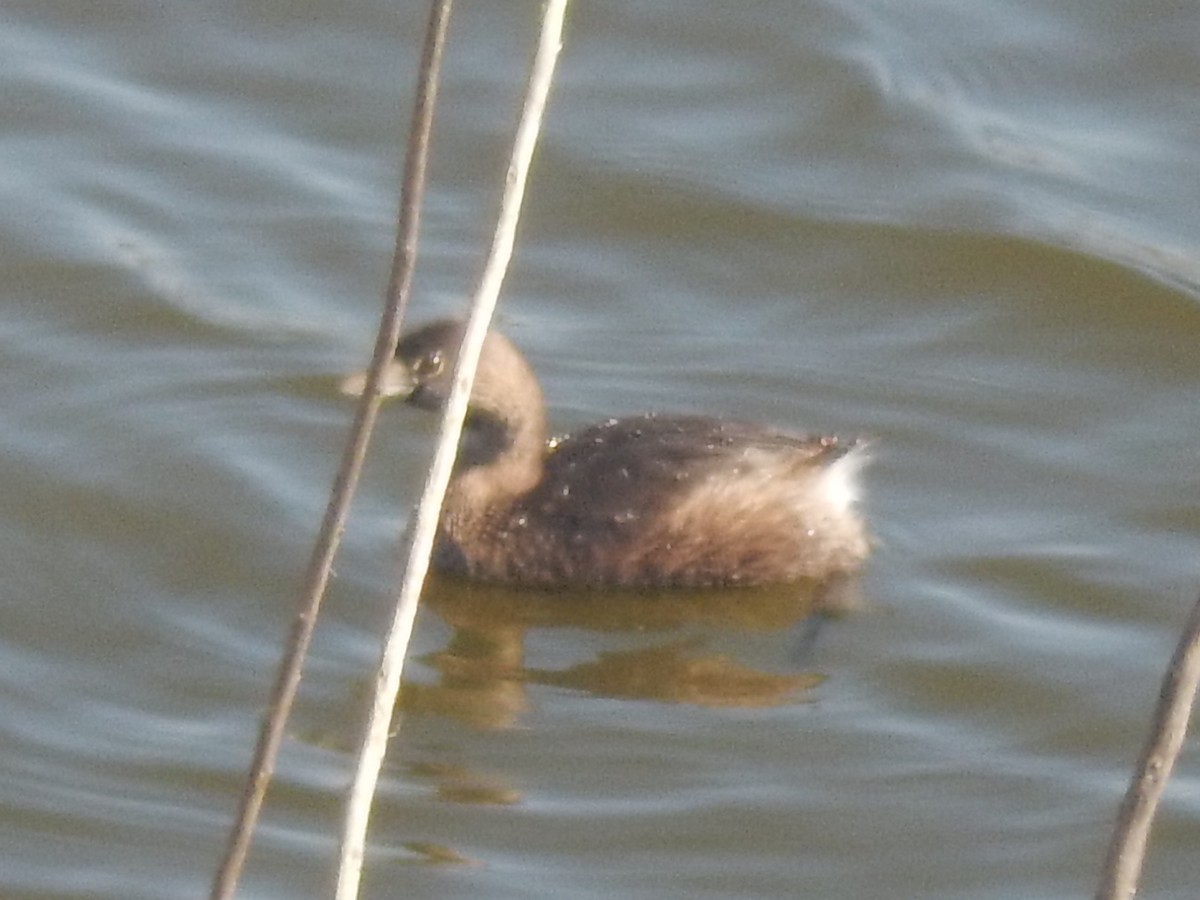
point(429, 366)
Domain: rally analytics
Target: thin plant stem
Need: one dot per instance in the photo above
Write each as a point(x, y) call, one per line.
point(420, 547)
point(1127, 849)
point(287, 681)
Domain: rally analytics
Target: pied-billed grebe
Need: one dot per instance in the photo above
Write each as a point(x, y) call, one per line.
point(648, 500)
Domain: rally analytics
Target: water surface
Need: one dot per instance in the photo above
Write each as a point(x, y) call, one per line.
point(967, 231)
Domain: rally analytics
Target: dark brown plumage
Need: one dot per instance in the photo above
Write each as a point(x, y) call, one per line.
point(646, 500)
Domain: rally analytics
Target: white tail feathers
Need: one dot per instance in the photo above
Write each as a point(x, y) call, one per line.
point(840, 480)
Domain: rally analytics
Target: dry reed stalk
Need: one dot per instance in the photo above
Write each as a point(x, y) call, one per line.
point(1127, 849)
point(316, 578)
point(387, 681)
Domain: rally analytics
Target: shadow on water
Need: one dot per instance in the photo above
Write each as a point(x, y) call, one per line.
point(483, 678)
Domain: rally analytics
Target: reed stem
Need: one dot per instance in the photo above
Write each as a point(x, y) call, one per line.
point(287, 680)
point(387, 682)
point(1127, 848)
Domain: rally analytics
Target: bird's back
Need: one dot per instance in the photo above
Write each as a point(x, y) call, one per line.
point(679, 500)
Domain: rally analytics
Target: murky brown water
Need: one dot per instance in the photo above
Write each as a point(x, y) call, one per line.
point(967, 231)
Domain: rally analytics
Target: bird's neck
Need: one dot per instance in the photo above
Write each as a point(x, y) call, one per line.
point(498, 462)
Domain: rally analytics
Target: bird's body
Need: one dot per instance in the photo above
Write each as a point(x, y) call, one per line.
point(651, 500)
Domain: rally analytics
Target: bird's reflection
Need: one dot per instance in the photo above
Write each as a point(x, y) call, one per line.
point(483, 679)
